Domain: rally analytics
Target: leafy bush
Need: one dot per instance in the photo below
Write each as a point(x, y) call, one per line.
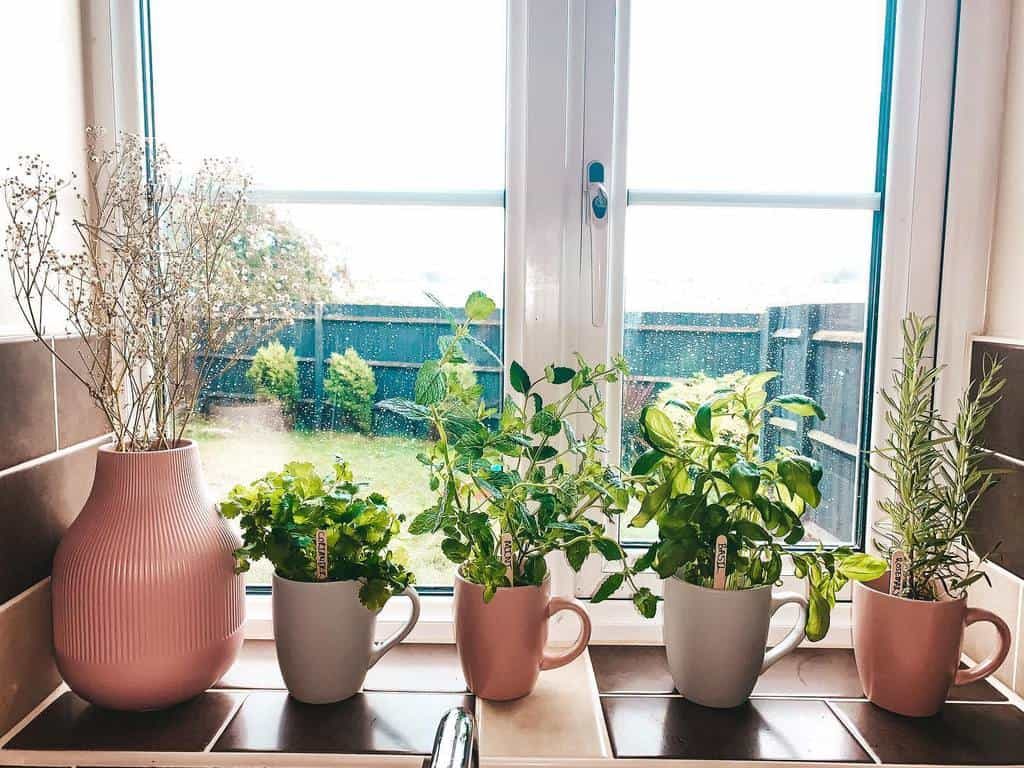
point(710, 480)
point(274, 374)
point(350, 386)
point(281, 514)
point(501, 477)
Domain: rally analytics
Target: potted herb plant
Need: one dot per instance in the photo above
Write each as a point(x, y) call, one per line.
point(724, 513)
point(329, 542)
point(147, 609)
point(908, 625)
point(512, 487)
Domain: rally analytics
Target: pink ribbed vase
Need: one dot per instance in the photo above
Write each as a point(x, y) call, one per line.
point(147, 609)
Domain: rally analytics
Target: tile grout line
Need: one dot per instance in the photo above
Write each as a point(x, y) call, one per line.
point(59, 453)
point(853, 731)
point(56, 418)
point(24, 594)
point(594, 695)
point(14, 730)
point(227, 721)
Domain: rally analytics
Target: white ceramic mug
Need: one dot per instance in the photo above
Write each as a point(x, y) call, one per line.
point(325, 637)
point(715, 639)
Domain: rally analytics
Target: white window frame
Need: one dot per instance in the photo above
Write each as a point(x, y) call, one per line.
point(547, 274)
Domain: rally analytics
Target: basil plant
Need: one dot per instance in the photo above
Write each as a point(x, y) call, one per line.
point(523, 472)
point(282, 513)
point(703, 476)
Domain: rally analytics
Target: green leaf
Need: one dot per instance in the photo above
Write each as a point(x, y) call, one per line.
point(374, 594)
point(558, 374)
point(576, 553)
point(541, 453)
point(646, 462)
point(431, 383)
point(651, 504)
point(862, 567)
point(608, 587)
point(801, 476)
point(658, 429)
point(519, 378)
point(818, 617)
point(752, 531)
point(759, 380)
point(608, 548)
point(745, 477)
point(801, 405)
point(455, 550)
point(796, 533)
point(646, 602)
point(702, 422)
point(479, 306)
point(545, 423)
point(424, 522)
point(535, 570)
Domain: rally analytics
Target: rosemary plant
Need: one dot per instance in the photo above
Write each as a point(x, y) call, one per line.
point(936, 470)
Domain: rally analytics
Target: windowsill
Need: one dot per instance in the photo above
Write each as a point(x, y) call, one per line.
point(611, 701)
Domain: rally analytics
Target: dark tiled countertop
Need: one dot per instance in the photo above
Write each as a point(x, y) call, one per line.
point(809, 708)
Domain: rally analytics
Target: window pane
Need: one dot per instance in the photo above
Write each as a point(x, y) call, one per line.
point(390, 94)
point(394, 95)
point(379, 260)
point(746, 95)
point(714, 292)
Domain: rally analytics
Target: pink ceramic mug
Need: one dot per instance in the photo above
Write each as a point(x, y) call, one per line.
point(501, 643)
point(908, 651)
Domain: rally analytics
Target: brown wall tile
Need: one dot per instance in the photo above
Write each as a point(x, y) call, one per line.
point(37, 503)
point(27, 671)
point(78, 417)
point(1004, 432)
point(26, 408)
point(998, 520)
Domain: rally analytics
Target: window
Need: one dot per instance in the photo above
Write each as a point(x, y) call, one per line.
point(742, 144)
point(751, 143)
point(375, 137)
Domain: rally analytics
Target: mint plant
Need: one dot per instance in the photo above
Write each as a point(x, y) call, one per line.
point(281, 513)
point(523, 472)
point(711, 480)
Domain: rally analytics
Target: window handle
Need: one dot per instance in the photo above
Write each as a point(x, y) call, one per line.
point(597, 219)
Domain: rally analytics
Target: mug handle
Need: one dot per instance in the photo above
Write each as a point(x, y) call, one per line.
point(556, 660)
point(796, 634)
point(379, 648)
point(993, 660)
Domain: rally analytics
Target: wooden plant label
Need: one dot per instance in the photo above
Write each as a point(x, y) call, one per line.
point(321, 555)
point(897, 572)
point(721, 557)
point(506, 556)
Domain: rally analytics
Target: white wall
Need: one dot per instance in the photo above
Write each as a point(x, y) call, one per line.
point(1005, 312)
point(43, 97)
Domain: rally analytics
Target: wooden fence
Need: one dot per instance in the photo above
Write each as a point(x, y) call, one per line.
point(816, 347)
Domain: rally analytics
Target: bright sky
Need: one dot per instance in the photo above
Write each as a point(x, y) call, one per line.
point(736, 95)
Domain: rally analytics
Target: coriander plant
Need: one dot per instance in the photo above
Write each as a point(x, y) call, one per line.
point(524, 472)
point(711, 480)
point(936, 470)
point(281, 513)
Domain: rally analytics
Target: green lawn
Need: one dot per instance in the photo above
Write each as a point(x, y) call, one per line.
point(240, 454)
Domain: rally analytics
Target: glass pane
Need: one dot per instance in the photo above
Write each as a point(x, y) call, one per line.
point(370, 265)
point(390, 94)
point(714, 292)
point(746, 95)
